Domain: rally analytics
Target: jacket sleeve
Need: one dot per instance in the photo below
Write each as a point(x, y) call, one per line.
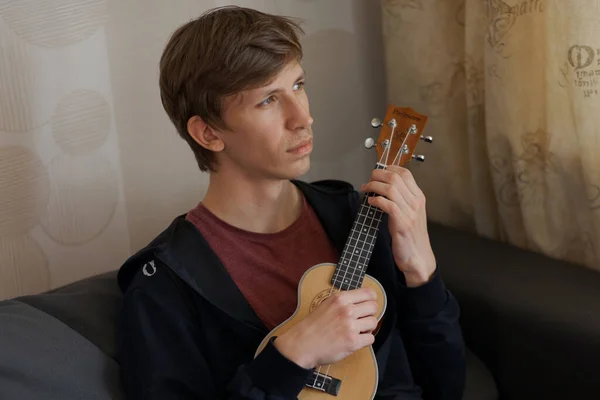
point(429, 322)
point(161, 357)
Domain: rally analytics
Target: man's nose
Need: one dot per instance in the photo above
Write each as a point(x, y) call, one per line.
point(299, 115)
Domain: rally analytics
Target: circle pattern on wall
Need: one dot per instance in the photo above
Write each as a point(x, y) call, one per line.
point(81, 122)
point(54, 23)
point(83, 198)
point(23, 267)
point(25, 189)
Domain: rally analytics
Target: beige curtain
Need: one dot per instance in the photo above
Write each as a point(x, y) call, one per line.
point(512, 91)
point(91, 168)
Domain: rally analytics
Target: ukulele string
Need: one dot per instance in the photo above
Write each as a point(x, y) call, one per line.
point(358, 261)
point(370, 210)
point(347, 250)
point(337, 274)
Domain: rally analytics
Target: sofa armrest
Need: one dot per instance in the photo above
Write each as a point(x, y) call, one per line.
point(533, 320)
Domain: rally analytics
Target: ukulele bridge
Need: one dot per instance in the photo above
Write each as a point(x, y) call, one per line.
point(324, 383)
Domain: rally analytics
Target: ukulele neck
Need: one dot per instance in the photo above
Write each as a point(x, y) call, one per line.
point(351, 268)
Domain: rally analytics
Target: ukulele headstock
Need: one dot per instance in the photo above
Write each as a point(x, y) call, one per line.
point(400, 132)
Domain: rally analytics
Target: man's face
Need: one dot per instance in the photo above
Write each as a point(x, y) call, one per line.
point(269, 135)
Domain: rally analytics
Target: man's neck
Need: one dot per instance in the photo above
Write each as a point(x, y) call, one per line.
point(255, 206)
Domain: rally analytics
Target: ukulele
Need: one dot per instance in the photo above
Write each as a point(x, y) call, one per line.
point(356, 376)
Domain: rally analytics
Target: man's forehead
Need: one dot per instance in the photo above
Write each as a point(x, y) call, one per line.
point(238, 98)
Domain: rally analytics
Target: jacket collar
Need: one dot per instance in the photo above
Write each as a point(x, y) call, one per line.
point(183, 249)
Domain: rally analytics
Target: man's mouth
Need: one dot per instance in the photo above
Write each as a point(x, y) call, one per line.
point(301, 147)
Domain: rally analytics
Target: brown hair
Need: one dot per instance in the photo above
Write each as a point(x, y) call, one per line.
point(223, 52)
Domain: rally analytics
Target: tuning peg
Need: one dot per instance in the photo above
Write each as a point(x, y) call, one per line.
point(376, 123)
point(369, 143)
point(419, 157)
point(427, 139)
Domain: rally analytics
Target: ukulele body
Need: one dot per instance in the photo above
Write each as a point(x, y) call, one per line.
point(357, 373)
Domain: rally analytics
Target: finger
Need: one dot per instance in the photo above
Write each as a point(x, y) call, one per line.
point(367, 324)
point(356, 296)
point(392, 179)
point(364, 340)
point(408, 179)
point(402, 212)
point(365, 309)
point(402, 197)
point(391, 194)
point(391, 175)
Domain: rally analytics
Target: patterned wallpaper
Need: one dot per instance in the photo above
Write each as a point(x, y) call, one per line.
point(90, 167)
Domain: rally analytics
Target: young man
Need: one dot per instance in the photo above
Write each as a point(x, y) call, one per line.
point(200, 298)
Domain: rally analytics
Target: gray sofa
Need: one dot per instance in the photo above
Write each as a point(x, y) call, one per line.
point(532, 320)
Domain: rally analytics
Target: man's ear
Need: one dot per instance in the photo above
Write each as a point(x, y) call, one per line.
point(204, 135)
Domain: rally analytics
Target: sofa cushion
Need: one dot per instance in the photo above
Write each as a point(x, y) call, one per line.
point(42, 358)
point(480, 384)
point(532, 319)
point(90, 307)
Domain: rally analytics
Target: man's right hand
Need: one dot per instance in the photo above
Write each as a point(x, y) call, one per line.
point(339, 326)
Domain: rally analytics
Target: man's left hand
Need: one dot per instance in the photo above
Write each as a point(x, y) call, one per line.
point(404, 202)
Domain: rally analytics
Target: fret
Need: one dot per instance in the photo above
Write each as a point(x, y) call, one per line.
point(350, 273)
point(324, 383)
point(345, 286)
point(357, 260)
point(319, 382)
point(366, 221)
point(348, 286)
point(369, 231)
point(348, 263)
point(359, 246)
point(360, 240)
point(351, 260)
point(372, 214)
point(350, 278)
point(356, 246)
point(363, 235)
point(356, 269)
point(352, 281)
point(366, 230)
point(359, 252)
point(355, 252)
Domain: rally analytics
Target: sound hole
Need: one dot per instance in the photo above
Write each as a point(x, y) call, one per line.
point(319, 298)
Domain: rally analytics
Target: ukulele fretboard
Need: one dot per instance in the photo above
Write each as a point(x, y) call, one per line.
point(356, 255)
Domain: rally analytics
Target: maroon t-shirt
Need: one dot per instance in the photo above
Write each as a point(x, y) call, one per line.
point(267, 267)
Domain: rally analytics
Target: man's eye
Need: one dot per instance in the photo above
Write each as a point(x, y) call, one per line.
point(267, 101)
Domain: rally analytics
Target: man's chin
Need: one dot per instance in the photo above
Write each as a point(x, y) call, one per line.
point(297, 170)
point(303, 170)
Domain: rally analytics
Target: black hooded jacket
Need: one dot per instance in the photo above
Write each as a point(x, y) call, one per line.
point(187, 332)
